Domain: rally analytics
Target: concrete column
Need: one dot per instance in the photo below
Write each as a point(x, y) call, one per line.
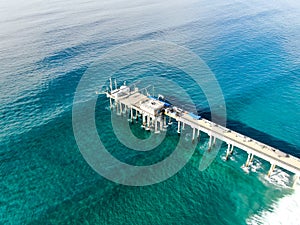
point(170, 120)
point(248, 159)
point(165, 122)
point(136, 115)
point(117, 107)
point(210, 141)
point(148, 121)
point(228, 151)
point(193, 134)
point(155, 126)
point(110, 103)
point(178, 129)
point(183, 124)
point(160, 124)
point(121, 108)
point(131, 114)
point(144, 119)
point(296, 178)
point(271, 169)
point(251, 158)
point(214, 140)
point(198, 135)
point(231, 150)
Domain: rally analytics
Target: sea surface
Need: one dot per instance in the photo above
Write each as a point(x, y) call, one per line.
point(252, 47)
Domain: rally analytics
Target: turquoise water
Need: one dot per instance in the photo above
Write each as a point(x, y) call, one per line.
point(253, 50)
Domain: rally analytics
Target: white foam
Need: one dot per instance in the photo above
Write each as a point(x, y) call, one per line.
point(255, 165)
point(279, 178)
point(284, 212)
point(245, 168)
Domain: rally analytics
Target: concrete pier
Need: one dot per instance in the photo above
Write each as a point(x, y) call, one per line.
point(151, 107)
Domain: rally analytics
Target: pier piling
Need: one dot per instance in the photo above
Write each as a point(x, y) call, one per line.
point(155, 126)
point(249, 159)
point(210, 141)
point(227, 151)
point(178, 129)
point(198, 135)
point(193, 138)
point(296, 178)
point(272, 167)
point(231, 150)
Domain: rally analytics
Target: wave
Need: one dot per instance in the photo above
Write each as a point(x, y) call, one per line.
point(284, 212)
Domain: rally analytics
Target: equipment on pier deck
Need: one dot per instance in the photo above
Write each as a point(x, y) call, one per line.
point(196, 117)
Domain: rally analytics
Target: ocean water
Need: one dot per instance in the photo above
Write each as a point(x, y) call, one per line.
point(46, 47)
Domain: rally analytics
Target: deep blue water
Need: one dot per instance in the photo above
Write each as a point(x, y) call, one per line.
point(46, 47)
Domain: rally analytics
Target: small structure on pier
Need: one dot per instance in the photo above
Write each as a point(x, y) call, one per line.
point(152, 107)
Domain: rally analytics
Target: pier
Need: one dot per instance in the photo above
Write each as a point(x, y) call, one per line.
point(157, 114)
